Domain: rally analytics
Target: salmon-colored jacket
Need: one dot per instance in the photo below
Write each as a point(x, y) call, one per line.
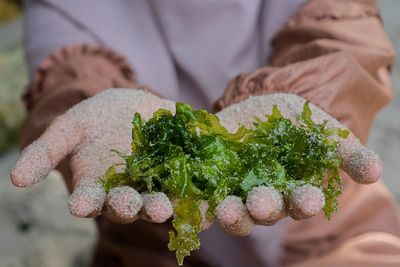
point(334, 53)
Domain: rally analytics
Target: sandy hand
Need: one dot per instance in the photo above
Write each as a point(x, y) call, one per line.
point(87, 132)
point(265, 205)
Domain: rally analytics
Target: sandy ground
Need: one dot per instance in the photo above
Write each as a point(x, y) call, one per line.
point(36, 229)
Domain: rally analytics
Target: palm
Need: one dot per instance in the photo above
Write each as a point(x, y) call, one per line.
point(265, 205)
point(87, 133)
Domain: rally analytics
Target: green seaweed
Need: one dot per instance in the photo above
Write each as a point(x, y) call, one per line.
point(191, 157)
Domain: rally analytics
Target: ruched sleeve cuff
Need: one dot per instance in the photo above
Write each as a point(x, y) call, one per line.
point(333, 53)
point(68, 76)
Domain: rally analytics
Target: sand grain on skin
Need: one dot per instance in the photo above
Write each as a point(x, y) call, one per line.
point(306, 201)
point(230, 210)
point(242, 227)
point(87, 201)
point(33, 165)
point(156, 207)
point(362, 164)
point(265, 203)
point(123, 203)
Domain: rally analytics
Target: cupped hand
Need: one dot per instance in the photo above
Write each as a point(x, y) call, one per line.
point(89, 130)
point(265, 205)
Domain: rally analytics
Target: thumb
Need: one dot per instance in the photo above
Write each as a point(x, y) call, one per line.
point(43, 155)
point(360, 163)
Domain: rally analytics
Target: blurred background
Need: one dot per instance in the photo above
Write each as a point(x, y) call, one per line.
point(35, 227)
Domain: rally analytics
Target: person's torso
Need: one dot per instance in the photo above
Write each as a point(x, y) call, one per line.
point(188, 50)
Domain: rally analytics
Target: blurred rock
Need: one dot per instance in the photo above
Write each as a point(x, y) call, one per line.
point(36, 227)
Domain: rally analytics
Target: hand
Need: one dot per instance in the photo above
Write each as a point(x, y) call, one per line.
point(264, 205)
point(90, 129)
point(87, 133)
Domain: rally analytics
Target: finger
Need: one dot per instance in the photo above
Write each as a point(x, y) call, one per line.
point(123, 204)
point(87, 201)
point(88, 163)
point(306, 201)
point(206, 219)
point(233, 216)
point(157, 207)
point(40, 157)
point(230, 210)
point(88, 196)
point(242, 227)
point(360, 163)
point(265, 204)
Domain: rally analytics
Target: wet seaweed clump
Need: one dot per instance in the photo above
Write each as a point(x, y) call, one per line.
point(191, 157)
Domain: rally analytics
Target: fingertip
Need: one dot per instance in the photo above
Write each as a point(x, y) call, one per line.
point(87, 201)
point(306, 201)
point(363, 166)
point(374, 172)
point(123, 204)
point(32, 166)
point(157, 207)
point(265, 203)
point(230, 210)
point(17, 180)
